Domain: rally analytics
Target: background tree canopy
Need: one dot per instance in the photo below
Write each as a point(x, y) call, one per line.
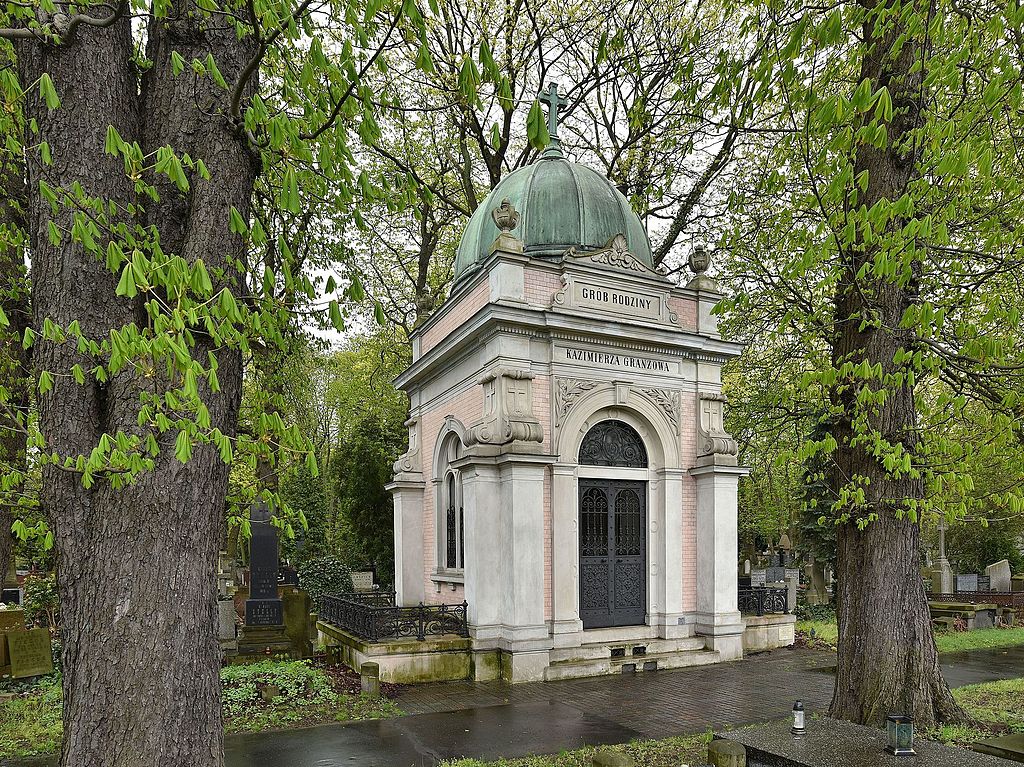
point(196, 194)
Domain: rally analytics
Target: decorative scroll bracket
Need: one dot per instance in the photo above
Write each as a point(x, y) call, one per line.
point(714, 441)
point(409, 462)
point(508, 410)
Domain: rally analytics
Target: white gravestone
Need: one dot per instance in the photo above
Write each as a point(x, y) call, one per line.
point(362, 580)
point(999, 573)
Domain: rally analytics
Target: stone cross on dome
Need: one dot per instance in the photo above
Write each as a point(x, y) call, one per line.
point(554, 102)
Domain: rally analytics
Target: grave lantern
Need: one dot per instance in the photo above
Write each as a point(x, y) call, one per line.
point(900, 730)
point(799, 726)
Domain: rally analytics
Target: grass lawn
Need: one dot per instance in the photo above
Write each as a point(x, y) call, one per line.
point(671, 752)
point(268, 695)
point(824, 635)
point(30, 722)
point(998, 708)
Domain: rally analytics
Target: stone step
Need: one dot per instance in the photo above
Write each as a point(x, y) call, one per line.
point(619, 634)
point(601, 666)
point(597, 650)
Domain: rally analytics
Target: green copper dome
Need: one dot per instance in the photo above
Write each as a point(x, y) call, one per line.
point(561, 205)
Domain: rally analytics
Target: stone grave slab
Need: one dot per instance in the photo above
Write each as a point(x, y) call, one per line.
point(832, 743)
point(758, 577)
point(1005, 747)
point(984, 583)
point(775, 574)
point(12, 620)
point(968, 582)
point(999, 575)
point(30, 653)
point(362, 580)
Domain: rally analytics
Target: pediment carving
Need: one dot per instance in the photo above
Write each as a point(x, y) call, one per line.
point(615, 253)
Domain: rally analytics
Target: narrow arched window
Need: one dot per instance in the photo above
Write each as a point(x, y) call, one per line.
point(451, 516)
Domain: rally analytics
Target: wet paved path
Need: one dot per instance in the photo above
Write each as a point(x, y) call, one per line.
point(487, 720)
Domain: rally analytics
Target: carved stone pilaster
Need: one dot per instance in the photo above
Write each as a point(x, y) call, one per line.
point(714, 440)
point(410, 462)
point(567, 391)
point(508, 410)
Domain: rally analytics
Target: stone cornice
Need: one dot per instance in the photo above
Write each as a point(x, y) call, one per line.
point(580, 265)
point(545, 324)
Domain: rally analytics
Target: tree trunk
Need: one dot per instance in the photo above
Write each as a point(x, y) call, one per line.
point(137, 565)
point(14, 373)
point(887, 659)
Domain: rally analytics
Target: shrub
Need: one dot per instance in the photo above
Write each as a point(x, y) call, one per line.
point(298, 685)
point(40, 602)
point(822, 613)
point(324, 575)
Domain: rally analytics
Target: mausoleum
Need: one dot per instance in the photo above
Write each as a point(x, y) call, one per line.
point(568, 475)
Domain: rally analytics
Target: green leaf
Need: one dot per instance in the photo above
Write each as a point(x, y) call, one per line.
point(335, 314)
point(537, 127)
point(177, 63)
point(183, 447)
point(290, 192)
point(126, 285)
point(48, 92)
point(355, 290)
point(236, 223)
point(45, 381)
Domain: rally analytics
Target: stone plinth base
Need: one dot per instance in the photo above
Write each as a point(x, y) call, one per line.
point(832, 743)
point(407, 661)
point(257, 642)
point(767, 632)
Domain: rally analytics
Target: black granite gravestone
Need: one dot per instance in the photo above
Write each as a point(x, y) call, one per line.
point(263, 608)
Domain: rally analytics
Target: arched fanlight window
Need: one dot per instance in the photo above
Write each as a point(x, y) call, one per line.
point(613, 443)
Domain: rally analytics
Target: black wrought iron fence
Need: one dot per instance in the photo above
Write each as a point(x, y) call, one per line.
point(375, 617)
point(761, 600)
point(1014, 599)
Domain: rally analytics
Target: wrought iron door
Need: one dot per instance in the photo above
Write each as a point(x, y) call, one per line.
point(613, 552)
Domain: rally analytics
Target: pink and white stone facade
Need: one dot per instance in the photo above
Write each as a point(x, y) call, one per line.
point(524, 358)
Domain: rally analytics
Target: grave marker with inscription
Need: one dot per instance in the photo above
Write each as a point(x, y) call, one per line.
point(968, 582)
point(30, 653)
point(12, 620)
point(362, 580)
point(263, 608)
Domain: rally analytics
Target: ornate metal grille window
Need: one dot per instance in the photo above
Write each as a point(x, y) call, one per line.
point(613, 443)
point(455, 524)
point(628, 534)
point(594, 514)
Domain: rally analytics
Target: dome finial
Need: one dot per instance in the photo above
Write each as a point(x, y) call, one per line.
point(554, 102)
point(506, 218)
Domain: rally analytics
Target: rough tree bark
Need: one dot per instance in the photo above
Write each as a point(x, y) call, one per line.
point(137, 566)
point(14, 358)
point(887, 659)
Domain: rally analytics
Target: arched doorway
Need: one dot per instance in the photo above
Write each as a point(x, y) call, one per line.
point(613, 544)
